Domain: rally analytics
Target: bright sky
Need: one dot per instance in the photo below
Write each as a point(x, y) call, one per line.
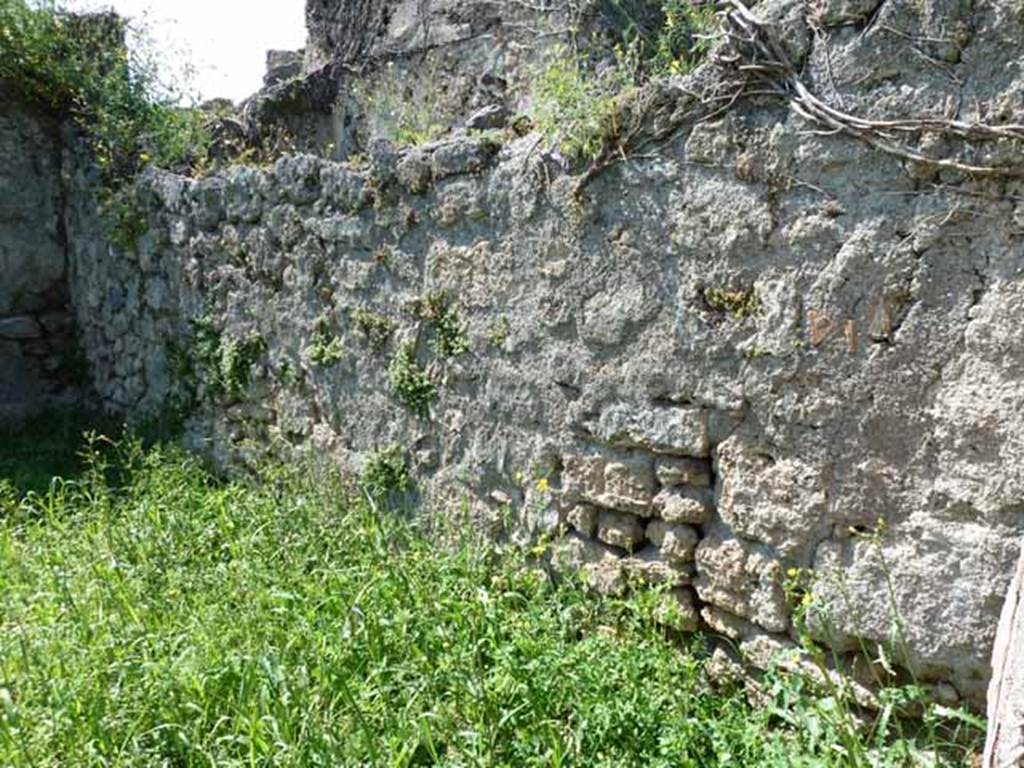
point(226, 41)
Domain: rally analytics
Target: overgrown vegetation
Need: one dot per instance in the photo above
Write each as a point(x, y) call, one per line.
point(578, 103)
point(385, 477)
point(152, 614)
point(576, 108)
point(410, 383)
point(79, 67)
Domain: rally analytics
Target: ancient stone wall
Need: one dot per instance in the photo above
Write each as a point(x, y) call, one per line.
point(38, 352)
point(748, 350)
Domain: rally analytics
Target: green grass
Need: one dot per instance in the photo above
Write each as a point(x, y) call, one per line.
point(33, 452)
point(153, 615)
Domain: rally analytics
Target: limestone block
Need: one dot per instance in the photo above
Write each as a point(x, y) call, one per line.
point(778, 501)
point(682, 505)
point(741, 579)
point(682, 471)
point(648, 566)
point(619, 529)
point(583, 518)
point(665, 429)
point(573, 551)
point(728, 624)
point(675, 542)
point(621, 482)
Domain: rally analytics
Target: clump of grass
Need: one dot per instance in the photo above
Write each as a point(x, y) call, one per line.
point(576, 108)
point(410, 383)
point(386, 475)
point(152, 614)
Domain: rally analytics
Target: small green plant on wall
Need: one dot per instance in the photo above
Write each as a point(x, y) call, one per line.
point(740, 303)
point(375, 329)
point(386, 475)
point(410, 383)
point(438, 311)
point(325, 348)
point(497, 332)
point(225, 362)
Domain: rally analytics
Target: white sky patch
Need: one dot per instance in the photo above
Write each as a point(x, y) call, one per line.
point(218, 46)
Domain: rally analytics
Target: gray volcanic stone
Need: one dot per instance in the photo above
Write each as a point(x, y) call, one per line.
point(855, 404)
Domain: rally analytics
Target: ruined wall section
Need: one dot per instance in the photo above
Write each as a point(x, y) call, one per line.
point(39, 359)
point(753, 349)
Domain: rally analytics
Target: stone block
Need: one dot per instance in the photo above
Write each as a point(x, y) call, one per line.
point(779, 501)
point(683, 471)
point(583, 519)
point(573, 551)
point(682, 505)
point(20, 327)
point(650, 567)
point(727, 624)
point(621, 482)
point(676, 542)
point(742, 579)
point(619, 529)
point(681, 430)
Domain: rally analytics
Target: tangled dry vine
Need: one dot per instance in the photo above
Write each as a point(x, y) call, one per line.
point(750, 61)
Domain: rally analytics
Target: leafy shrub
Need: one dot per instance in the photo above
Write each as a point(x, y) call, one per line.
point(79, 67)
point(325, 348)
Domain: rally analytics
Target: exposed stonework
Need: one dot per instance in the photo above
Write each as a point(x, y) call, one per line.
point(753, 348)
point(38, 350)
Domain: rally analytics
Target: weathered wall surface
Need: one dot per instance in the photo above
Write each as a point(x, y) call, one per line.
point(37, 345)
point(755, 347)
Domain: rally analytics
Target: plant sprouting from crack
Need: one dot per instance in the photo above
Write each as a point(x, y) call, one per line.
point(437, 310)
point(375, 329)
point(325, 348)
point(410, 383)
point(225, 362)
point(740, 303)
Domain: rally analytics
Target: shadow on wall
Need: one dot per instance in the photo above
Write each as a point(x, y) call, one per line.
point(40, 362)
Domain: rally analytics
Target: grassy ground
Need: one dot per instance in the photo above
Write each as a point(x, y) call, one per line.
point(151, 615)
